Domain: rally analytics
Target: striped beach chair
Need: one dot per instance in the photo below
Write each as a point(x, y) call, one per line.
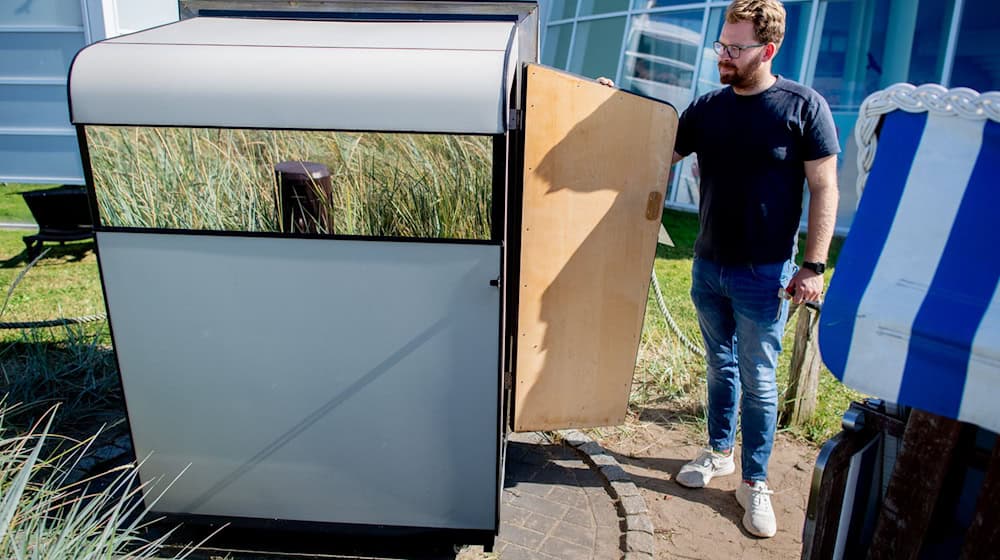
point(912, 317)
point(913, 312)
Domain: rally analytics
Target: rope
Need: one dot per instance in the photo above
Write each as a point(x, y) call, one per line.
point(696, 349)
point(693, 347)
point(54, 322)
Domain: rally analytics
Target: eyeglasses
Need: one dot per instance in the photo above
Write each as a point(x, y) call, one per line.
point(733, 51)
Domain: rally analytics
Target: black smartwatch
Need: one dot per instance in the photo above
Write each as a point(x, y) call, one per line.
point(817, 267)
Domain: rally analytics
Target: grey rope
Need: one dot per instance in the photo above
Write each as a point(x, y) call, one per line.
point(54, 322)
point(696, 349)
point(47, 323)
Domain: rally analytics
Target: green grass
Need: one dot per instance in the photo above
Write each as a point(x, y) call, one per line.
point(70, 366)
point(63, 283)
point(12, 206)
point(665, 369)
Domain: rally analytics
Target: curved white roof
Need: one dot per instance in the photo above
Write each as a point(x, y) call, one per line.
point(331, 75)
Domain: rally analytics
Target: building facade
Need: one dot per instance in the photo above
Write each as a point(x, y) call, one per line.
point(845, 49)
point(38, 40)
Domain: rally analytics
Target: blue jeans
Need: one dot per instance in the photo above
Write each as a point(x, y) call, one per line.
point(742, 321)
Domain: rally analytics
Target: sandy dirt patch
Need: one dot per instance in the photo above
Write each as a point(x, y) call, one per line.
point(706, 523)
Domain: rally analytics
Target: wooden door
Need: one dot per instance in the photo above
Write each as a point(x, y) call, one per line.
point(596, 166)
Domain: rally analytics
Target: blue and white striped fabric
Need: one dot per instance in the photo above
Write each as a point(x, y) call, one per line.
point(913, 310)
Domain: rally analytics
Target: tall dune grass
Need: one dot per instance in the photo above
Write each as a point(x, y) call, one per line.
point(401, 185)
point(43, 515)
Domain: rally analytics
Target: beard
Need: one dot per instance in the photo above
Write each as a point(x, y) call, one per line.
point(744, 78)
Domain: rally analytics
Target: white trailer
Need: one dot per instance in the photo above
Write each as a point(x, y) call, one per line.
point(362, 380)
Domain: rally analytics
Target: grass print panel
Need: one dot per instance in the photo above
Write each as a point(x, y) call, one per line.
point(384, 184)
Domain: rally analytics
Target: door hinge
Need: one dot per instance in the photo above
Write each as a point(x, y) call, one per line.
point(515, 119)
point(508, 380)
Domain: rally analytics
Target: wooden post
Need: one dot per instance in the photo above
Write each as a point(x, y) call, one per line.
point(803, 378)
point(914, 487)
point(306, 197)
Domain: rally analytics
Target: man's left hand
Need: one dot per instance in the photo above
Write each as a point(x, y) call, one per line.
point(806, 285)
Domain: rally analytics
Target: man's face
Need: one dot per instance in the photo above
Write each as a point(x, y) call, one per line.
point(742, 71)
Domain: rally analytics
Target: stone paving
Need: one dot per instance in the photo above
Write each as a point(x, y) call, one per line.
point(555, 505)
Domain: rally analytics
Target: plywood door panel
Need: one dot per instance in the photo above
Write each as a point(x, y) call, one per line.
point(596, 163)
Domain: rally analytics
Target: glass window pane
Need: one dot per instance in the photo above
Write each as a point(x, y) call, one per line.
point(562, 9)
point(649, 4)
point(846, 66)
point(788, 62)
point(380, 184)
point(977, 57)
point(591, 7)
point(930, 41)
point(661, 53)
point(597, 47)
point(556, 49)
point(869, 45)
point(708, 78)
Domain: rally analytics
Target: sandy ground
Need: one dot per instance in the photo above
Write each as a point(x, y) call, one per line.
point(706, 523)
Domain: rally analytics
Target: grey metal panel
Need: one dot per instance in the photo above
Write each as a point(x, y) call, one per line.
point(525, 12)
point(310, 379)
point(38, 54)
point(263, 77)
point(426, 35)
point(40, 158)
point(41, 12)
point(34, 106)
point(522, 9)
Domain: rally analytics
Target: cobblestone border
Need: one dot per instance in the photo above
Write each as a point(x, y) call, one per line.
point(639, 541)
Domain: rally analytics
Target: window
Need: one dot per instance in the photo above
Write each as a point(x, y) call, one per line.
point(562, 9)
point(380, 184)
point(594, 7)
point(859, 52)
point(930, 40)
point(556, 50)
point(661, 55)
point(650, 4)
point(977, 56)
point(597, 47)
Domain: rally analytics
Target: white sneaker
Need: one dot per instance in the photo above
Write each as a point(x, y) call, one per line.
point(756, 500)
point(709, 464)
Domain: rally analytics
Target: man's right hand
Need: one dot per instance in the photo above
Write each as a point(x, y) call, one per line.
point(606, 81)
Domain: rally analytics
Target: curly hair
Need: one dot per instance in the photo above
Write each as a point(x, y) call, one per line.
point(767, 17)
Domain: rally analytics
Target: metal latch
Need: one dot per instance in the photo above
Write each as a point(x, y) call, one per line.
point(495, 282)
point(515, 119)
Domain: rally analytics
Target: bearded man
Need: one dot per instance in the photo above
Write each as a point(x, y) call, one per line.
point(757, 141)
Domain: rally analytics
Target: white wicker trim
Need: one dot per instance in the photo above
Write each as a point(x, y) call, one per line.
point(957, 102)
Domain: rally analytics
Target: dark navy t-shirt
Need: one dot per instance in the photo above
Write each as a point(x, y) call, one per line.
point(751, 153)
